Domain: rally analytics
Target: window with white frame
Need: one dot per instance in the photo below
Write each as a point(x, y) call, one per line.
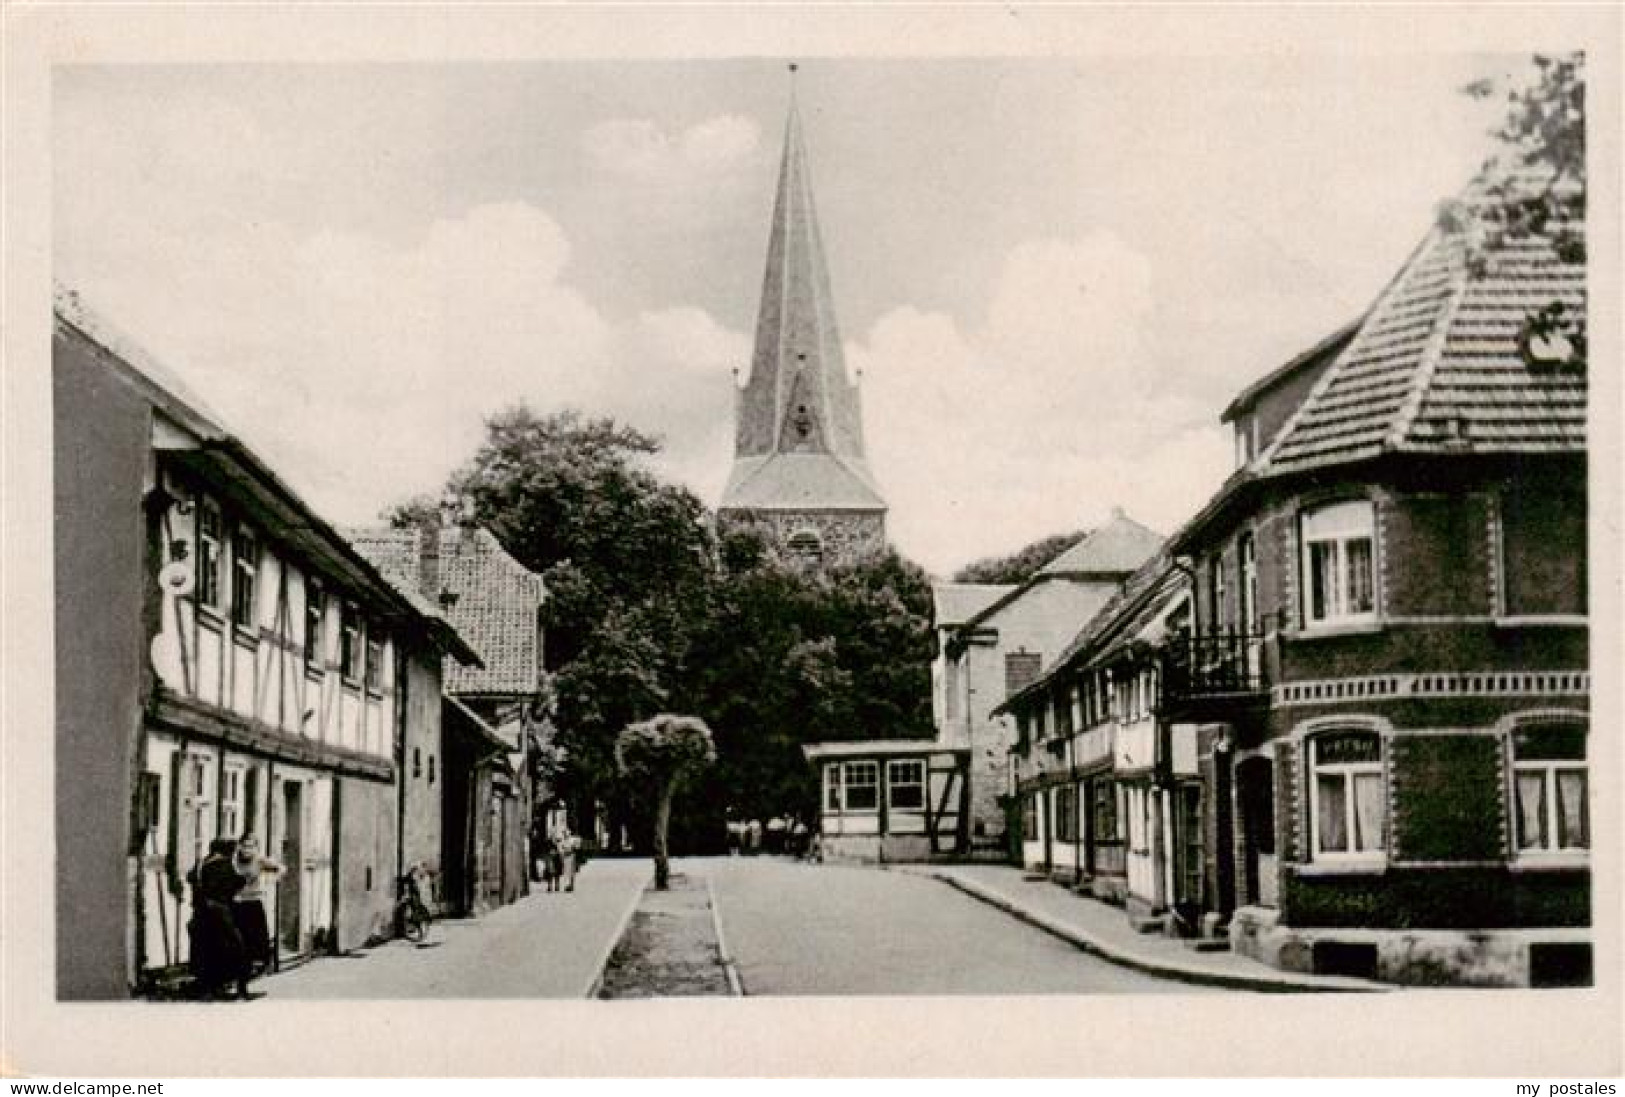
point(315, 618)
point(832, 788)
point(1066, 813)
point(1338, 564)
point(231, 801)
point(905, 784)
point(861, 786)
point(375, 660)
point(245, 563)
point(349, 642)
point(209, 555)
point(1549, 790)
point(1347, 798)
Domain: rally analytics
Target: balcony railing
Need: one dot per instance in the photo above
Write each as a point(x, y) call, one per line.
point(1212, 666)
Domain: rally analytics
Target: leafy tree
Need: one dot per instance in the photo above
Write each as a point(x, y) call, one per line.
point(1020, 565)
point(627, 560)
point(1538, 188)
point(648, 611)
point(659, 754)
point(837, 654)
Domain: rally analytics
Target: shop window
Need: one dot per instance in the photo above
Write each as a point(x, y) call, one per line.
point(245, 563)
point(1066, 813)
point(209, 555)
point(1338, 564)
point(1105, 812)
point(905, 785)
point(862, 785)
point(1348, 806)
point(1549, 787)
point(315, 618)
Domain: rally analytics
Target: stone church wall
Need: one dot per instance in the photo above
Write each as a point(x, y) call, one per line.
point(846, 535)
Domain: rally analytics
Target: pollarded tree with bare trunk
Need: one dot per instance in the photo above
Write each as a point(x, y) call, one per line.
point(659, 754)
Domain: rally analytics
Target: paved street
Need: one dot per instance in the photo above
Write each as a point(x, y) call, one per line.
point(837, 929)
point(792, 929)
point(547, 945)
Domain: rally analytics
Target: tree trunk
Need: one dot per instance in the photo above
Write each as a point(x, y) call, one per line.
point(662, 821)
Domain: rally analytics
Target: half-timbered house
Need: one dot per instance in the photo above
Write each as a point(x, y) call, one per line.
point(226, 664)
point(1109, 790)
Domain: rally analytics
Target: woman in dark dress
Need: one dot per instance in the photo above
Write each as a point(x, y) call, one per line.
point(218, 956)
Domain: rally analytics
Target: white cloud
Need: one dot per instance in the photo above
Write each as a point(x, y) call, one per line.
point(1039, 420)
point(640, 148)
point(363, 368)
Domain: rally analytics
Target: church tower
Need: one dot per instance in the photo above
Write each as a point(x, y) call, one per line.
point(799, 470)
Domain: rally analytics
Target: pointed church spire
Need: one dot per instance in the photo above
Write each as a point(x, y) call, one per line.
point(798, 443)
point(799, 397)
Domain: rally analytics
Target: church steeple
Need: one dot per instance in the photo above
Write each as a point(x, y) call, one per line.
point(798, 443)
point(799, 398)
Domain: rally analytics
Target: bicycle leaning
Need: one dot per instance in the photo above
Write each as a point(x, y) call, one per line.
point(412, 916)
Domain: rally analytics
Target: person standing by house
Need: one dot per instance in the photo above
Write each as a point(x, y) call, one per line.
point(564, 847)
point(248, 907)
point(218, 957)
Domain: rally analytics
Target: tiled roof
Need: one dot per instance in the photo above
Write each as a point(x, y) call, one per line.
point(1331, 344)
point(1122, 544)
point(1138, 596)
point(1435, 366)
point(495, 606)
point(798, 481)
point(956, 603)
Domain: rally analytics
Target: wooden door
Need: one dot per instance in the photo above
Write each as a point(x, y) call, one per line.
point(290, 884)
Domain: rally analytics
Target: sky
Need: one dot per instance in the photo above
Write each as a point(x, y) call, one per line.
point(1050, 275)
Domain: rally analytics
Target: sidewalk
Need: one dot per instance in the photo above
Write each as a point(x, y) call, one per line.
point(546, 945)
point(1104, 930)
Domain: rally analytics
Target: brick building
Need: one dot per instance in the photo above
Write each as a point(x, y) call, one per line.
point(226, 664)
point(1390, 643)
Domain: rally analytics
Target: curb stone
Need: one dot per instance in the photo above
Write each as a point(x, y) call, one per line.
point(1278, 984)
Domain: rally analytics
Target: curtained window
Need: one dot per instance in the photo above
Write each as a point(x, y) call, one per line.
point(1349, 799)
point(1338, 564)
point(1550, 790)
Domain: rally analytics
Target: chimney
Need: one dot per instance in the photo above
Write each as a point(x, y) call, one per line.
point(429, 554)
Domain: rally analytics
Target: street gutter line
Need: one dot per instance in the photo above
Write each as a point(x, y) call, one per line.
point(728, 967)
point(1088, 944)
point(596, 983)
